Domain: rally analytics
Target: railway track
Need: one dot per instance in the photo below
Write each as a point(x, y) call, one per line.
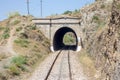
point(64, 58)
point(61, 65)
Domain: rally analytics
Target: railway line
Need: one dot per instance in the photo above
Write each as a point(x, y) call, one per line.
point(66, 55)
point(61, 65)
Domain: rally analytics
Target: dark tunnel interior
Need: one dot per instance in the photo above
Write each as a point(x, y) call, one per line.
point(58, 39)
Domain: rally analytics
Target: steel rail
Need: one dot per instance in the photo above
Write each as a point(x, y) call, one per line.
point(52, 65)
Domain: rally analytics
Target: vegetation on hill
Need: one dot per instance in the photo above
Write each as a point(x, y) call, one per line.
point(23, 46)
point(100, 22)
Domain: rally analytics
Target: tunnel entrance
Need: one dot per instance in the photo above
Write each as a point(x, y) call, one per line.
point(65, 38)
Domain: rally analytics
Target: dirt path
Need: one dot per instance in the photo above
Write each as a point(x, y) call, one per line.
point(9, 45)
point(60, 70)
point(7, 49)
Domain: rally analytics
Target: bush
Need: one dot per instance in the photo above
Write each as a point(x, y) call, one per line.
point(18, 29)
point(16, 22)
point(5, 35)
point(14, 70)
point(17, 65)
point(102, 6)
point(67, 12)
point(18, 60)
point(31, 27)
point(23, 35)
point(7, 30)
point(95, 18)
point(13, 14)
point(22, 42)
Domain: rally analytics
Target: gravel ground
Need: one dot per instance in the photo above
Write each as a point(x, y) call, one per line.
point(60, 70)
point(76, 68)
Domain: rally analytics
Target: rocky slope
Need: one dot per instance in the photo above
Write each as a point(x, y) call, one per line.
point(22, 46)
point(101, 23)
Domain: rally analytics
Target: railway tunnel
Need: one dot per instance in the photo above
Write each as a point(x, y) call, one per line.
point(58, 43)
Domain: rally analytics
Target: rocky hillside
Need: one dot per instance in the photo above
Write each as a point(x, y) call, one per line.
point(101, 27)
point(22, 46)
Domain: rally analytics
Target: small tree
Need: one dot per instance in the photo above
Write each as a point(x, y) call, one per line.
point(67, 12)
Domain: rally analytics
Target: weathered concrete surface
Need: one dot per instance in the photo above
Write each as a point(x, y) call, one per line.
point(49, 27)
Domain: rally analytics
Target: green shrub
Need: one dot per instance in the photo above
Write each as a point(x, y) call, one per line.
point(17, 65)
point(13, 14)
point(23, 36)
point(18, 29)
point(67, 12)
point(7, 30)
point(35, 46)
point(22, 42)
point(95, 18)
point(18, 60)
point(14, 70)
point(32, 27)
point(16, 22)
point(102, 6)
point(5, 35)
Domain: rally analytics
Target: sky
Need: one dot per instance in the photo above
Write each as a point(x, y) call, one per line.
point(49, 7)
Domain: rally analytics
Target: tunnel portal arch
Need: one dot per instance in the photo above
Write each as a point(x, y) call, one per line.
point(58, 39)
point(51, 27)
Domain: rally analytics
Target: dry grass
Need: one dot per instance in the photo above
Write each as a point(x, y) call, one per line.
point(35, 52)
point(30, 51)
point(2, 56)
point(25, 47)
point(31, 57)
point(88, 64)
